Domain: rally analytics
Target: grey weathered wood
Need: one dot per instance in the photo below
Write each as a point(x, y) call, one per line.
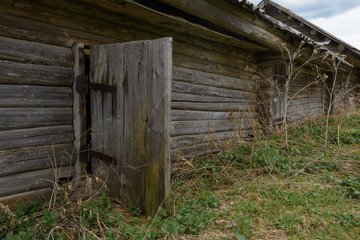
point(23, 182)
point(106, 113)
point(190, 62)
point(304, 116)
point(186, 97)
point(158, 130)
point(207, 126)
point(50, 161)
point(23, 199)
point(220, 17)
point(31, 137)
point(25, 73)
point(132, 125)
point(183, 87)
point(15, 27)
point(34, 96)
point(35, 53)
point(203, 52)
point(117, 12)
point(183, 115)
point(11, 118)
point(211, 138)
point(205, 148)
point(193, 151)
point(304, 107)
point(304, 101)
point(78, 105)
point(242, 105)
point(212, 79)
point(33, 153)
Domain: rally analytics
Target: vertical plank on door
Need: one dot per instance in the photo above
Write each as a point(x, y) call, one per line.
point(79, 69)
point(158, 125)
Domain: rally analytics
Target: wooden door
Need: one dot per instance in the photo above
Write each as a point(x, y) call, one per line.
point(130, 116)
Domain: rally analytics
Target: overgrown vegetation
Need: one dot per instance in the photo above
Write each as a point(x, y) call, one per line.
point(259, 190)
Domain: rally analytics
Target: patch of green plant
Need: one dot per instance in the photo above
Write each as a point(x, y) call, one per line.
point(135, 210)
point(193, 215)
point(19, 225)
point(287, 221)
point(94, 210)
point(233, 192)
point(243, 226)
point(352, 185)
point(49, 219)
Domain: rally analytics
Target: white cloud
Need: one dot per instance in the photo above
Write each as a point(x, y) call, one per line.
point(344, 26)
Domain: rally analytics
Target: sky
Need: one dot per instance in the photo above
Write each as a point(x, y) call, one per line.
point(341, 18)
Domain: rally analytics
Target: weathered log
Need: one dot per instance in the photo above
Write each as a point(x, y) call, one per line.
point(189, 62)
point(35, 96)
point(35, 53)
point(179, 26)
point(183, 115)
point(20, 138)
point(179, 128)
point(212, 79)
point(202, 149)
point(226, 107)
point(11, 118)
point(23, 199)
point(33, 153)
point(210, 138)
point(220, 17)
point(35, 164)
point(15, 27)
point(188, 97)
point(184, 87)
point(24, 73)
point(23, 182)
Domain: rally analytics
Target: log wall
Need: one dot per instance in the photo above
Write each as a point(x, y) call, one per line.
point(209, 109)
point(211, 91)
point(36, 132)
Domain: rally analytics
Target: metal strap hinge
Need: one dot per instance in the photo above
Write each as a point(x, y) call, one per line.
point(102, 87)
point(86, 153)
point(83, 84)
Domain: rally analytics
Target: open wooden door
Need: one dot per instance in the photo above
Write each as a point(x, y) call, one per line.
point(130, 90)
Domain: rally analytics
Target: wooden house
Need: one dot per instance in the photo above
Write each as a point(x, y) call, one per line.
point(128, 83)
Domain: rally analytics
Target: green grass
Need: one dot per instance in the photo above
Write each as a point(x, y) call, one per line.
point(258, 190)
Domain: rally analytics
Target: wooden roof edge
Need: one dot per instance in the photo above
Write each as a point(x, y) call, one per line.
point(326, 34)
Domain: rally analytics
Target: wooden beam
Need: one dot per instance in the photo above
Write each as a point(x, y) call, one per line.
point(212, 79)
point(35, 53)
point(34, 96)
point(205, 10)
point(179, 128)
point(23, 73)
point(23, 182)
point(40, 136)
point(11, 118)
point(184, 87)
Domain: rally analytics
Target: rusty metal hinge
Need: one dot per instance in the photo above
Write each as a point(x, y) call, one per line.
point(102, 87)
point(82, 85)
point(86, 153)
